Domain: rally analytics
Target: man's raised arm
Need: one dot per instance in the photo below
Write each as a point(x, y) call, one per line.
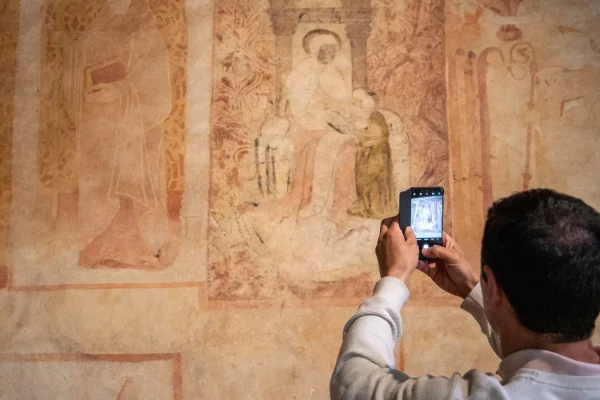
point(453, 273)
point(365, 366)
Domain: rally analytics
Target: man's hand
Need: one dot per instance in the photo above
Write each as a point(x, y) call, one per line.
point(397, 253)
point(449, 269)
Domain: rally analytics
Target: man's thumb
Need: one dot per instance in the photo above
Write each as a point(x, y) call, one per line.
point(439, 252)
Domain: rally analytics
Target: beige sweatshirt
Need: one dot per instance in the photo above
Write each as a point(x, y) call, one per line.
point(365, 366)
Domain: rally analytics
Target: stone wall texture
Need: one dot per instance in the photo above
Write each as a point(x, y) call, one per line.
point(191, 191)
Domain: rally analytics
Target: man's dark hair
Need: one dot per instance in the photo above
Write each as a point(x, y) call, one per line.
point(544, 250)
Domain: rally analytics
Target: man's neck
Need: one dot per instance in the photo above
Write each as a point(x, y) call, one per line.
point(582, 350)
point(579, 351)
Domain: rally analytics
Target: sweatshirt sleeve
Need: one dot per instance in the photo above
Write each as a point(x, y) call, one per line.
point(365, 365)
point(473, 304)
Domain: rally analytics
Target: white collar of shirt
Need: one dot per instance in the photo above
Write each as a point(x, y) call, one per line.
point(546, 361)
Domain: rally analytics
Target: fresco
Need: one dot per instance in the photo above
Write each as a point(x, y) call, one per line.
point(108, 145)
point(545, 59)
point(112, 130)
point(9, 34)
point(311, 141)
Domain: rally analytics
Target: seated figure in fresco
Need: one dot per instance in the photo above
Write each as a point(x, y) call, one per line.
point(118, 86)
point(326, 120)
point(313, 99)
point(424, 216)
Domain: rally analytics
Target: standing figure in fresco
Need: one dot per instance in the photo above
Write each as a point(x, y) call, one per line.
point(118, 84)
point(375, 186)
point(314, 97)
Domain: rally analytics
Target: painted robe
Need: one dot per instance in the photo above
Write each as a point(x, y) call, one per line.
point(117, 81)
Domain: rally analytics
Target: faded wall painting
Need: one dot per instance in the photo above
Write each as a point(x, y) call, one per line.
point(191, 191)
point(9, 31)
point(112, 130)
point(525, 110)
point(110, 143)
point(312, 140)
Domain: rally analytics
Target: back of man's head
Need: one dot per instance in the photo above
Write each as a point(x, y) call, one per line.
point(544, 250)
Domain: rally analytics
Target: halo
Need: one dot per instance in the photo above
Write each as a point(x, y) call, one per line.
point(316, 32)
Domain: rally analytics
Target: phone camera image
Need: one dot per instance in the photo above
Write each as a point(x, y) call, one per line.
point(426, 215)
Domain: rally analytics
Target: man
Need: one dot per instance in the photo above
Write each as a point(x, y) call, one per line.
point(537, 302)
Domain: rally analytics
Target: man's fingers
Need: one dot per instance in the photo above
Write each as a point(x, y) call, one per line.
point(447, 240)
point(410, 236)
point(388, 221)
point(440, 252)
point(385, 224)
point(382, 230)
point(394, 229)
point(450, 243)
point(426, 268)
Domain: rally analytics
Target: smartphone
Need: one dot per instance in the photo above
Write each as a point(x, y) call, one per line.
point(422, 208)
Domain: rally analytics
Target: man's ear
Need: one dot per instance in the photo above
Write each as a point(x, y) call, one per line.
point(493, 293)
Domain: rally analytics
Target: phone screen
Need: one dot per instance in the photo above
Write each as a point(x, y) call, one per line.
point(427, 215)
